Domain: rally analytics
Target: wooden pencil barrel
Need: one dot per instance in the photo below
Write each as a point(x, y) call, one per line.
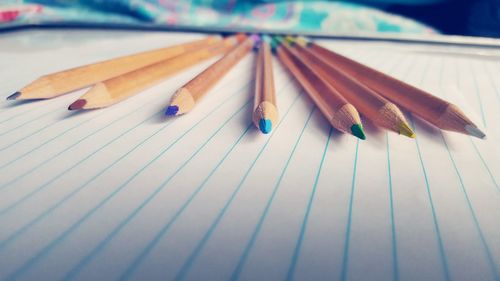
point(422, 103)
point(363, 98)
point(62, 82)
point(210, 76)
point(327, 99)
point(145, 77)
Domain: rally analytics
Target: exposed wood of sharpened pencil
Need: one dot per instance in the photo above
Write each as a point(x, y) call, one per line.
point(339, 113)
point(119, 88)
point(434, 110)
point(265, 112)
point(62, 82)
point(186, 97)
point(376, 108)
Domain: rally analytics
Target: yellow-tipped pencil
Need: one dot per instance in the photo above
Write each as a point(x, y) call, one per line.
point(62, 82)
point(186, 98)
point(337, 110)
point(119, 88)
point(379, 110)
point(265, 111)
point(432, 109)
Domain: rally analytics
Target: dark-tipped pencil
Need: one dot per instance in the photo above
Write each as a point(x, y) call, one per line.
point(265, 111)
point(119, 88)
point(434, 110)
point(62, 82)
point(337, 110)
point(185, 99)
point(379, 110)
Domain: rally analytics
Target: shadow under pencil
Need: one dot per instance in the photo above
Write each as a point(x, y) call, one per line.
point(426, 129)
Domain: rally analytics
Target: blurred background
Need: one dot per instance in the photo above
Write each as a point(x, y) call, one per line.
point(458, 17)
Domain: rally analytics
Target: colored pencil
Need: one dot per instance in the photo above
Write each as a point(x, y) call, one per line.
point(59, 83)
point(265, 111)
point(376, 108)
point(119, 88)
point(432, 109)
point(186, 97)
point(337, 110)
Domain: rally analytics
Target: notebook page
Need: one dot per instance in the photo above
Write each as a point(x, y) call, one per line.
point(125, 193)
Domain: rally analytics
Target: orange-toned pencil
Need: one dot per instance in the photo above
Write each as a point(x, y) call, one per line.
point(434, 110)
point(373, 106)
point(119, 88)
point(186, 97)
point(62, 82)
point(265, 111)
point(337, 110)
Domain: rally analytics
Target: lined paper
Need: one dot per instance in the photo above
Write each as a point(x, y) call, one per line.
point(124, 193)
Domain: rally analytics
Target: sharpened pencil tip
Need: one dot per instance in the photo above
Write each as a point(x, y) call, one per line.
point(78, 104)
point(14, 96)
point(404, 129)
point(357, 130)
point(265, 126)
point(474, 131)
point(172, 110)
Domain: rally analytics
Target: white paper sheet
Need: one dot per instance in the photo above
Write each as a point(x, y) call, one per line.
point(124, 193)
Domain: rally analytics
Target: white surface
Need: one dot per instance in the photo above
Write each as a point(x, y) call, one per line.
point(125, 193)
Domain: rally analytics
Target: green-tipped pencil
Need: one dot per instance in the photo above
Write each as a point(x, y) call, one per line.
point(337, 110)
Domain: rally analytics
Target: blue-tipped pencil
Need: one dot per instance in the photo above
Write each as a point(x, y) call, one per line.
point(265, 113)
point(186, 98)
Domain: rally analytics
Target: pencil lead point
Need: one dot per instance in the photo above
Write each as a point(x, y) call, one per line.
point(14, 96)
point(404, 129)
point(78, 104)
point(265, 126)
point(172, 110)
point(474, 131)
point(357, 130)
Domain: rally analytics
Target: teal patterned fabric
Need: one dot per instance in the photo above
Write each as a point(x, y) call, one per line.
point(299, 16)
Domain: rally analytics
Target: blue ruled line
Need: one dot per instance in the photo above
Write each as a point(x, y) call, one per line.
point(47, 212)
point(394, 244)
point(442, 255)
point(478, 95)
point(148, 102)
point(485, 165)
point(46, 161)
point(68, 231)
point(486, 249)
point(45, 142)
point(102, 171)
point(395, 266)
point(246, 252)
point(345, 256)
point(130, 270)
point(140, 258)
point(73, 272)
point(42, 144)
point(32, 120)
point(492, 81)
point(298, 246)
point(394, 249)
point(441, 250)
point(472, 142)
point(30, 134)
point(475, 147)
point(489, 257)
point(10, 118)
point(3, 186)
point(53, 179)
